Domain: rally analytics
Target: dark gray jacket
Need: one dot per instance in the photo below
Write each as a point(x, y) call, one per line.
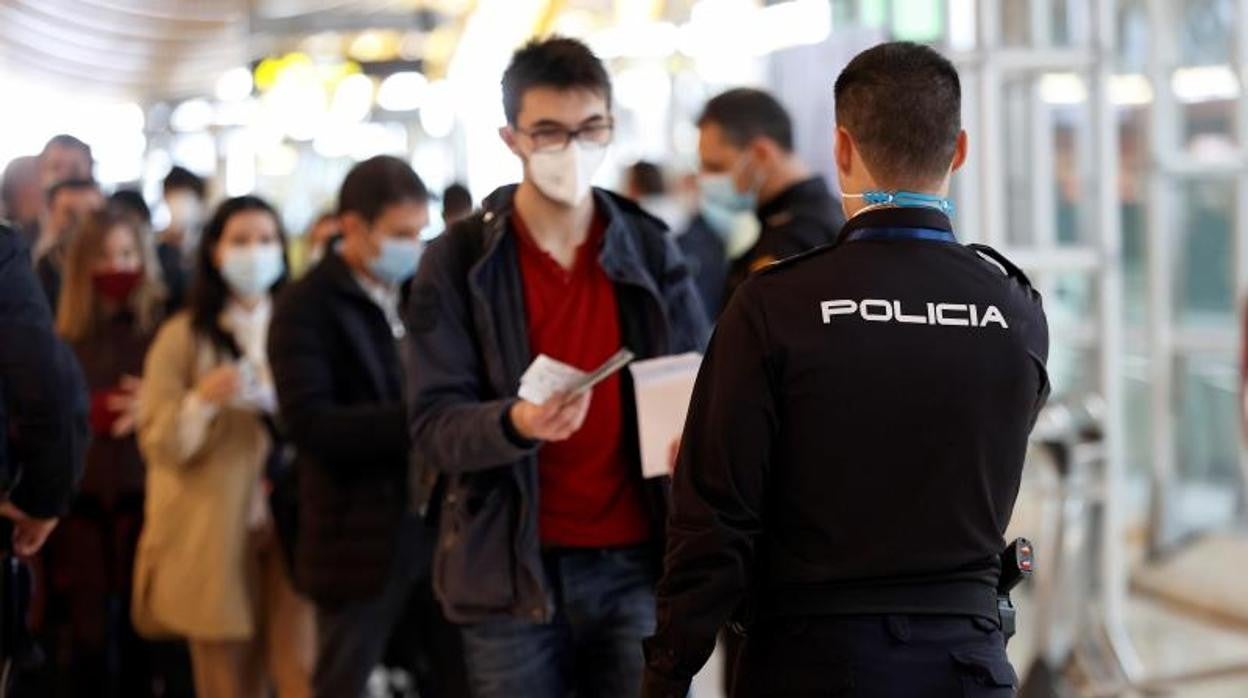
point(43, 396)
point(467, 347)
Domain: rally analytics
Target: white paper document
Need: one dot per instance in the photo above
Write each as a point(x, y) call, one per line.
point(546, 376)
point(663, 388)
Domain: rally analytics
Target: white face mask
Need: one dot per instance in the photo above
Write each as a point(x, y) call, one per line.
point(565, 175)
point(185, 210)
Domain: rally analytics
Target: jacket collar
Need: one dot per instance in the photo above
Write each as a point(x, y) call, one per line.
point(807, 190)
point(342, 281)
point(340, 276)
point(896, 217)
point(621, 258)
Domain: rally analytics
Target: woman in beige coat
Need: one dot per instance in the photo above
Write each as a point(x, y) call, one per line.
point(208, 566)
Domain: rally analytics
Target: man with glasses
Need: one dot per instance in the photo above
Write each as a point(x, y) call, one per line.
point(549, 537)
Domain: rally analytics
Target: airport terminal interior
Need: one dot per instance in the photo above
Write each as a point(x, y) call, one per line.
point(1108, 158)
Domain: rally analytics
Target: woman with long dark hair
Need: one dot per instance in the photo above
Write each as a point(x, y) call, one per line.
point(209, 568)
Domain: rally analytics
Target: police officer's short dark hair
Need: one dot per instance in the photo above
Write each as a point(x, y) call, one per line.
point(744, 114)
point(558, 62)
point(378, 183)
point(902, 103)
point(181, 178)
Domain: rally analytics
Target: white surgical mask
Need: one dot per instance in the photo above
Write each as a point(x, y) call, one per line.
point(565, 175)
point(250, 271)
point(185, 211)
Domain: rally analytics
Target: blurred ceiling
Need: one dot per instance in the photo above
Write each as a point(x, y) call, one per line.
point(157, 49)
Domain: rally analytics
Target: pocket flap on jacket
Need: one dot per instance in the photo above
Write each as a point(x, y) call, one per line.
point(989, 667)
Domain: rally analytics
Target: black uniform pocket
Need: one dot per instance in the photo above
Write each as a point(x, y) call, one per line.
point(985, 673)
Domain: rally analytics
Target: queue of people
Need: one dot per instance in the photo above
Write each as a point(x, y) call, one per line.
point(293, 481)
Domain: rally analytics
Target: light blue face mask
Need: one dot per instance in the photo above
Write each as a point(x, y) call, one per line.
point(720, 203)
point(398, 260)
point(904, 199)
point(252, 270)
point(722, 220)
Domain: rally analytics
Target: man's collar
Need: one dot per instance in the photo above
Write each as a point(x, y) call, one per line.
point(897, 217)
point(813, 187)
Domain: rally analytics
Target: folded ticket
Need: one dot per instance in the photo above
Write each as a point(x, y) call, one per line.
point(546, 376)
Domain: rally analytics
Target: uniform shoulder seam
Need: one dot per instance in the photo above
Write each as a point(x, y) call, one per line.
point(1000, 262)
point(797, 258)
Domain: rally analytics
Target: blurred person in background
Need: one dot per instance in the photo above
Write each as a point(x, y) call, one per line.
point(111, 303)
point(364, 551)
point(131, 204)
point(43, 430)
point(209, 568)
point(705, 246)
point(320, 238)
point(63, 158)
point(185, 194)
point(745, 146)
point(644, 183)
point(22, 196)
point(456, 204)
point(549, 537)
point(70, 202)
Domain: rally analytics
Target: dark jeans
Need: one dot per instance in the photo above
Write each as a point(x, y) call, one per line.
point(592, 649)
point(875, 657)
point(352, 639)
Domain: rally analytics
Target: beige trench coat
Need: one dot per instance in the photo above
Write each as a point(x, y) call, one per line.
point(193, 570)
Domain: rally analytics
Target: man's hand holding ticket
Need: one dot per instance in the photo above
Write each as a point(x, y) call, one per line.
point(555, 397)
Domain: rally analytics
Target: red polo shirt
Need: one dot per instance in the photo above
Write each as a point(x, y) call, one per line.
point(590, 497)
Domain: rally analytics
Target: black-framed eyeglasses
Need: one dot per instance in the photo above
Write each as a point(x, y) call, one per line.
point(597, 133)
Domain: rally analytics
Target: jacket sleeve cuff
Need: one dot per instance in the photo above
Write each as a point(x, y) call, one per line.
point(655, 685)
point(194, 419)
point(511, 433)
point(37, 505)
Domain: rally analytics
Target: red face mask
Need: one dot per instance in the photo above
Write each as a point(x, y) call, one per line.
point(117, 286)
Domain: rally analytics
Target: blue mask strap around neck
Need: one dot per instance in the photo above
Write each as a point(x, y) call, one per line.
point(908, 199)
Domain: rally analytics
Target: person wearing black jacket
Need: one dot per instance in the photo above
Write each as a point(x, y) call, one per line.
point(549, 536)
point(43, 405)
point(362, 552)
point(856, 437)
point(745, 146)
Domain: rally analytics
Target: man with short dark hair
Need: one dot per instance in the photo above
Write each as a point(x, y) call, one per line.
point(70, 202)
point(64, 157)
point(745, 146)
point(644, 183)
point(456, 204)
point(549, 536)
point(856, 438)
point(131, 204)
point(363, 551)
point(185, 194)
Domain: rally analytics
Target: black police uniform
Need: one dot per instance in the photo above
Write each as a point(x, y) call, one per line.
point(851, 459)
point(799, 219)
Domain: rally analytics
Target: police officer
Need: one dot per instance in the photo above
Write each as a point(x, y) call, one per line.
point(856, 437)
point(745, 146)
